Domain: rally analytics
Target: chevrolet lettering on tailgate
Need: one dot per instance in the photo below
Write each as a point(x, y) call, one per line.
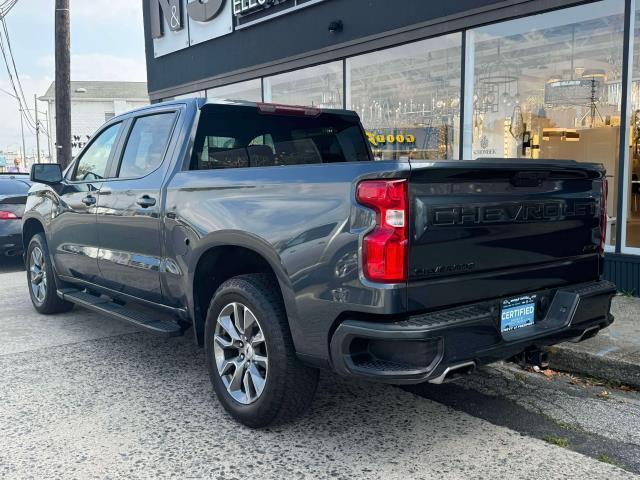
point(513, 212)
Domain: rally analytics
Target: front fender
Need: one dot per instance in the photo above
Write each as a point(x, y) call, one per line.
point(41, 202)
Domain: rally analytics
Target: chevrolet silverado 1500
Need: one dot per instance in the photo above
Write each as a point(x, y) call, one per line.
point(271, 234)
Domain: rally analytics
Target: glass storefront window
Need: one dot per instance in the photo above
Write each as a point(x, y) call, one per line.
point(408, 98)
point(250, 91)
point(632, 234)
point(320, 86)
point(199, 94)
point(549, 87)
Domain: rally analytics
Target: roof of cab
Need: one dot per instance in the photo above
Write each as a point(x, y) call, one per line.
point(202, 102)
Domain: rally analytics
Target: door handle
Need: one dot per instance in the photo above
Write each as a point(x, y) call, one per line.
point(146, 201)
point(89, 200)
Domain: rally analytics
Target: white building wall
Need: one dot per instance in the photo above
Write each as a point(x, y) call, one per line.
point(87, 116)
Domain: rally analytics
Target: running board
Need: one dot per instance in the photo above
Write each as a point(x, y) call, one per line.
point(104, 305)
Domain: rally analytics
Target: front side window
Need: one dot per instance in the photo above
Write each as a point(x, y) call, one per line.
point(146, 145)
point(93, 163)
point(236, 137)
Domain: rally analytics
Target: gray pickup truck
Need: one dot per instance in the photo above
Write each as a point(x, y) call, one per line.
point(271, 234)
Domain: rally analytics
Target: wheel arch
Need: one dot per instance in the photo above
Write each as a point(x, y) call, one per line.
point(229, 254)
point(30, 227)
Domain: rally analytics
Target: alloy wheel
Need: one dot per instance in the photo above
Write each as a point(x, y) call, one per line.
point(241, 353)
point(38, 275)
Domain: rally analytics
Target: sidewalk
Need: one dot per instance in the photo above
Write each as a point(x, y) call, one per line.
point(613, 354)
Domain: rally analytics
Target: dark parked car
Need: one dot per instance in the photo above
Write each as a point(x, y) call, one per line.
point(13, 198)
point(271, 233)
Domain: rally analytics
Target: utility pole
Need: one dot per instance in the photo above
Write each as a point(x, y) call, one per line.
point(63, 83)
point(35, 104)
point(24, 148)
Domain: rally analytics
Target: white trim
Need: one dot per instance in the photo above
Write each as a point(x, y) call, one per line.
point(267, 90)
point(469, 85)
point(347, 84)
point(631, 250)
point(626, 183)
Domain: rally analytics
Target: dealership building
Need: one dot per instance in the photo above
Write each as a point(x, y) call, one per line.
point(458, 80)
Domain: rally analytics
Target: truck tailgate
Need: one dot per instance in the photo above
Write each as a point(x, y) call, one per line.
point(483, 230)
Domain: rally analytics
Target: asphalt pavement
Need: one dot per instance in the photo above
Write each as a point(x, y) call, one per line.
point(84, 396)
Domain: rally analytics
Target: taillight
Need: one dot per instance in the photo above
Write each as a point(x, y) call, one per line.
point(4, 215)
point(384, 249)
point(603, 214)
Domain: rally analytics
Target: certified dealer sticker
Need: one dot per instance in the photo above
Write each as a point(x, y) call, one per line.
point(517, 313)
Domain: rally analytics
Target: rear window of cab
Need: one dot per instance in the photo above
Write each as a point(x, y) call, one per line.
point(244, 136)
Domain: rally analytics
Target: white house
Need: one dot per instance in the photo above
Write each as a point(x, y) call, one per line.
point(93, 103)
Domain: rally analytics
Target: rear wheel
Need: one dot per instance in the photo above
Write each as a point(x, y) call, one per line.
point(41, 278)
point(250, 355)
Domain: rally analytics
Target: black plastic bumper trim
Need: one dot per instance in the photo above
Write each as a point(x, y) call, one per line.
point(471, 333)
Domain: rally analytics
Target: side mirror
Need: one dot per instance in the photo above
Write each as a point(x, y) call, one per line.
point(48, 173)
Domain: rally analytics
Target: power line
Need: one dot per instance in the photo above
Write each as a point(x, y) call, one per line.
point(13, 61)
point(14, 77)
point(12, 72)
point(17, 96)
point(42, 123)
point(7, 6)
point(8, 93)
point(30, 119)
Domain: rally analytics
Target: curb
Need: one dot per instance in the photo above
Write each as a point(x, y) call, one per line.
point(567, 359)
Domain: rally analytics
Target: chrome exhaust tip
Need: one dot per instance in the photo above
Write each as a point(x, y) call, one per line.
point(454, 371)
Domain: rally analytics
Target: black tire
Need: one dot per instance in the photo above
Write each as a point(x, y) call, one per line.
point(49, 303)
point(290, 385)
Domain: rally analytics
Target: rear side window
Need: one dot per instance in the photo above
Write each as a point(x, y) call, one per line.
point(146, 145)
point(237, 137)
point(13, 187)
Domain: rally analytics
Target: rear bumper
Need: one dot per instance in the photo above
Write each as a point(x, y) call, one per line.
point(10, 238)
point(428, 347)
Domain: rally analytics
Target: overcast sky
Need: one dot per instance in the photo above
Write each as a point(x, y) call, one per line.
point(107, 43)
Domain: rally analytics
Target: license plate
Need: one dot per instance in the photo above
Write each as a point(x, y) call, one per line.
point(518, 313)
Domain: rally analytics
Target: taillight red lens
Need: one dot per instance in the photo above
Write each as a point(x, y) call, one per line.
point(603, 214)
point(4, 215)
point(385, 247)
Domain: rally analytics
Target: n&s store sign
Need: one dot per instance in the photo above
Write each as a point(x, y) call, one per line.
point(178, 24)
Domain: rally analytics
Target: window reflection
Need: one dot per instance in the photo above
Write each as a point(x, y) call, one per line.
point(250, 91)
point(320, 86)
point(549, 87)
point(408, 98)
point(199, 94)
point(633, 168)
